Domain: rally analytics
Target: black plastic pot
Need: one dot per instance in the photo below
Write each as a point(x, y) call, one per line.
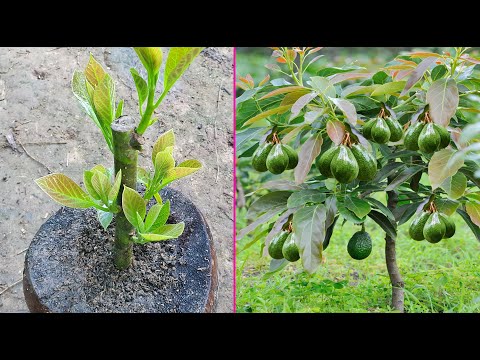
point(69, 266)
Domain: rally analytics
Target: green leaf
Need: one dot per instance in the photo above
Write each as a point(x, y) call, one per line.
point(323, 86)
point(275, 266)
point(167, 139)
point(119, 111)
point(65, 191)
point(151, 58)
point(405, 212)
point(443, 98)
point(102, 186)
point(348, 214)
point(268, 202)
point(455, 185)
point(403, 175)
point(94, 72)
point(152, 216)
point(179, 59)
point(475, 229)
point(112, 195)
point(87, 180)
point(390, 88)
point(384, 223)
point(140, 224)
point(446, 206)
point(309, 229)
point(337, 70)
point(166, 232)
point(438, 72)
point(300, 103)
point(164, 162)
point(302, 197)
point(263, 115)
point(380, 206)
point(105, 218)
point(306, 156)
point(358, 206)
point(133, 203)
point(386, 171)
point(162, 216)
point(440, 167)
point(141, 85)
point(379, 78)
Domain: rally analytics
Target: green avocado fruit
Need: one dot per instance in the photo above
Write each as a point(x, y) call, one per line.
point(360, 245)
point(324, 161)
point(344, 167)
point(367, 128)
point(380, 132)
point(276, 245)
point(277, 160)
point(290, 249)
point(449, 226)
point(444, 136)
point(292, 157)
point(367, 164)
point(416, 227)
point(411, 136)
point(429, 139)
point(434, 229)
point(259, 160)
point(396, 130)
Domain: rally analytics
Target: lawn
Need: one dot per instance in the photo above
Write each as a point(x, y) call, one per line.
point(442, 277)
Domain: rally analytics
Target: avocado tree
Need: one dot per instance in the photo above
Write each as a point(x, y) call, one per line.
point(350, 136)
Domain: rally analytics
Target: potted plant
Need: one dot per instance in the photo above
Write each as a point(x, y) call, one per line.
point(72, 265)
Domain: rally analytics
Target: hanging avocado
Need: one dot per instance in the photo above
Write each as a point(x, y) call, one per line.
point(259, 160)
point(344, 167)
point(367, 164)
point(277, 160)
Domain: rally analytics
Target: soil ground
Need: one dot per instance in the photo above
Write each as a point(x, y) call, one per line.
point(43, 129)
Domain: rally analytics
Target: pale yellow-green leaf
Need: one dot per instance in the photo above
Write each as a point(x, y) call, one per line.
point(151, 58)
point(167, 139)
point(105, 218)
point(440, 167)
point(140, 224)
point(455, 185)
point(162, 216)
point(87, 180)
point(65, 191)
point(102, 186)
point(133, 203)
point(166, 232)
point(163, 163)
point(152, 216)
point(263, 115)
point(141, 85)
point(143, 175)
point(184, 169)
point(473, 210)
point(103, 100)
point(94, 72)
point(389, 88)
point(112, 195)
point(178, 60)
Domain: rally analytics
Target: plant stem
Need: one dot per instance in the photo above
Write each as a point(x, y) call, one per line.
point(391, 259)
point(125, 157)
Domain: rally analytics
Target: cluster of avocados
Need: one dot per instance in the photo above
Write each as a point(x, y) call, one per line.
point(283, 245)
point(347, 162)
point(274, 156)
point(426, 136)
point(383, 129)
point(432, 226)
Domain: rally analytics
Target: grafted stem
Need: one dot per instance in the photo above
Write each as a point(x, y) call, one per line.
point(125, 153)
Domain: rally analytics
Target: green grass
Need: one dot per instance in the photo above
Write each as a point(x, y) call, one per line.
point(442, 277)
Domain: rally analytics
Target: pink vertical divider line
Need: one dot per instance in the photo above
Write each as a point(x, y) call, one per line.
point(234, 180)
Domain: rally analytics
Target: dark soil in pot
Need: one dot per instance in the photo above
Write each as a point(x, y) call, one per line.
point(69, 266)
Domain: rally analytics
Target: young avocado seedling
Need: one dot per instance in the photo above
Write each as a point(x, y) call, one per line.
point(112, 192)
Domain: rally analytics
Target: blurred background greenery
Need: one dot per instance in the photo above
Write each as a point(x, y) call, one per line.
point(443, 277)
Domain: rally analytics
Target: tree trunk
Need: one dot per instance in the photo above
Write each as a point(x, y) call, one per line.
point(391, 260)
point(125, 153)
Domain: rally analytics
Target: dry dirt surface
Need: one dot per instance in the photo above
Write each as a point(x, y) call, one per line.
point(43, 130)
